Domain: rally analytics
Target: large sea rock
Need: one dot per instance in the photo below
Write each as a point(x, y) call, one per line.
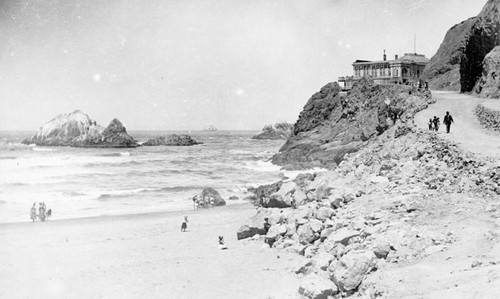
point(281, 130)
point(457, 64)
point(79, 130)
point(488, 85)
point(332, 124)
point(172, 140)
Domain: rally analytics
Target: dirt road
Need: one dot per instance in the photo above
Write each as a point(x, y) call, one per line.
point(466, 130)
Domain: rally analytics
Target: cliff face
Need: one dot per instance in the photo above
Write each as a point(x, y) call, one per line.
point(77, 129)
point(489, 84)
point(332, 124)
point(457, 64)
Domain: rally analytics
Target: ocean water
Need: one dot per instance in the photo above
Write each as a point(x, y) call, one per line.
point(82, 182)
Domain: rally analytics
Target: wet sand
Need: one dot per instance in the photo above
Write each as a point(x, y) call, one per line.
point(142, 256)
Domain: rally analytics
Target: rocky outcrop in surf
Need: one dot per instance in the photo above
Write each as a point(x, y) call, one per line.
point(77, 129)
point(333, 124)
point(171, 140)
point(457, 64)
point(488, 85)
point(280, 130)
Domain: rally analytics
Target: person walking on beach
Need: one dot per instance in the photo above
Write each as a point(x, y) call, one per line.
point(184, 224)
point(431, 124)
point(195, 202)
point(33, 212)
point(267, 225)
point(447, 121)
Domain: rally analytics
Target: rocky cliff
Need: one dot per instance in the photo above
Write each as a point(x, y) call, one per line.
point(280, 130)
point(457, 64)
point(488, 85)
point(334, 124)
point(171, 140)
point(79, 130)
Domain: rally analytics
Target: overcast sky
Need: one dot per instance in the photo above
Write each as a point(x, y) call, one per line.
point(174, 65)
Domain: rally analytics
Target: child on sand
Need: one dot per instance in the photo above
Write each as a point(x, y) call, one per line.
point(184, 224)
point(222, 246)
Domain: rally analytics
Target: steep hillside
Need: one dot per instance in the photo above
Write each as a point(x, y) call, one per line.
point(334, 124)
point(457, 64)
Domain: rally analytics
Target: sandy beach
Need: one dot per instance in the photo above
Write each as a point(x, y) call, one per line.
point(142, 256)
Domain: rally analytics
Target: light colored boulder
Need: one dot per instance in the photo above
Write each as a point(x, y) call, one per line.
point(306, 234)
point(324, 213)
point(349, 271)
point(315, 286)
point(343, 235)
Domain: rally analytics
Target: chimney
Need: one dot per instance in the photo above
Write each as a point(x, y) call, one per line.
point(396, 57)
point(385, 57)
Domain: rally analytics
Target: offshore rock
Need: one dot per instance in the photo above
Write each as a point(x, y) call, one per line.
point(457, 64)
point(78, 130)
point(488, 85)
point(172, 140)
point(332, 125)
point(280, 130)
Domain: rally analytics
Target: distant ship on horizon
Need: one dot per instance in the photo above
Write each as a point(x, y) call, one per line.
point(210, 128)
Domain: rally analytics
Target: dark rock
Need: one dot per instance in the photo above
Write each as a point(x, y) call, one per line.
point(281, 130)
point(78, 130)
point(266, 190)
point(457, 64)
point(488, 85)
point(332, 125)
point(233, 197)
point(172, 140)
point(208, 193)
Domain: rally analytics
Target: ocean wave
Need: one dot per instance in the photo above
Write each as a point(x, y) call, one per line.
point(41, 149)
point(116, 154)
point(8, 158)
point(264, 166)
point(112, 164)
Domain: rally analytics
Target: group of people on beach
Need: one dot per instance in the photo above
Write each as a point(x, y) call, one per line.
point(43, 213)
point(203, 202)
point(434, 122)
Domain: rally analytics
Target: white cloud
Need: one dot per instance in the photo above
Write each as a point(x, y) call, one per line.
point(97, 77)
point(240, 92)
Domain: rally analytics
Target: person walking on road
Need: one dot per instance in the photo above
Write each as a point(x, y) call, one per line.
point(447, 121)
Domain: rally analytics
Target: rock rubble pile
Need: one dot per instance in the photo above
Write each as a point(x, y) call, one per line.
point(349, 222)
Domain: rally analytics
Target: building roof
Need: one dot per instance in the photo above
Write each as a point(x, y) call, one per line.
point(408, 57)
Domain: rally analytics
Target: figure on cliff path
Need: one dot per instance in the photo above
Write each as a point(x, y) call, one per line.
point(447, 121)
point(436, 123)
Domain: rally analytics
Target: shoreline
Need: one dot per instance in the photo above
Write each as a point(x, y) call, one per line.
point(143, 256)
point(104, 217)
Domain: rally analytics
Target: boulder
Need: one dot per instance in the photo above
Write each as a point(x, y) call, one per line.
point(280, 130)
point(77, 129)
point(214, 194)
point(315, 286)
point(306, 234)
point(254, 225)
point(488, 85)
point(324, 213)
point(276, 201)
point(342, 236)
point(171, 140)
point(266, 190)
point(349, 271)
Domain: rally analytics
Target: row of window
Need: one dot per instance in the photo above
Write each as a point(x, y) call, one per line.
point(384, 72)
